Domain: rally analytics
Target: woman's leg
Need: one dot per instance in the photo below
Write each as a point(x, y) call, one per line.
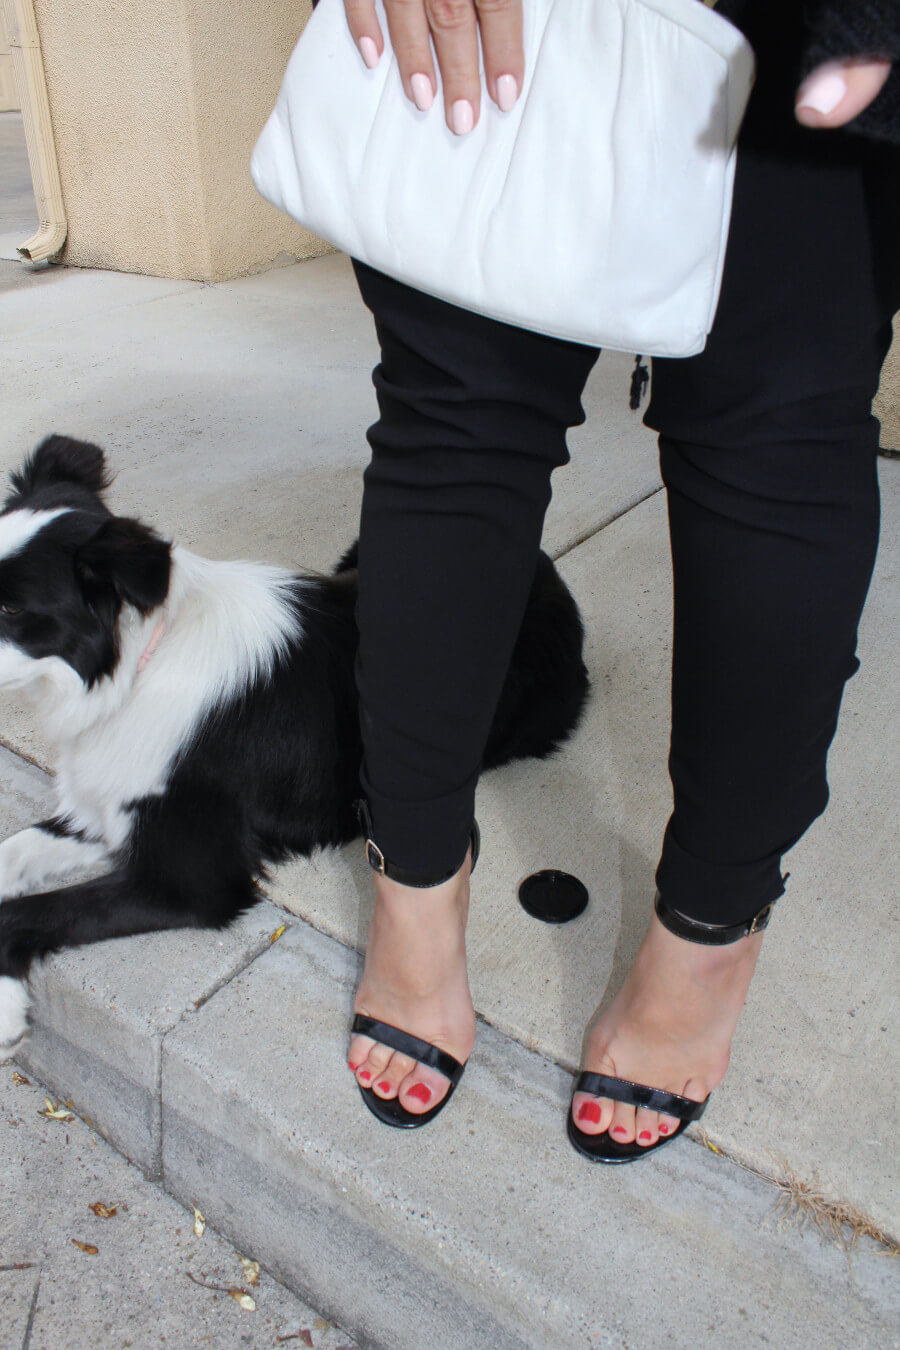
point(768, 453)
point(473, 419)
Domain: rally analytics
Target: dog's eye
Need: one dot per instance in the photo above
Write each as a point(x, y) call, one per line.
point(9, 609)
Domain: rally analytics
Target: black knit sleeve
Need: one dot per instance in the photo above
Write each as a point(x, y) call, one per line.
point(860, 28)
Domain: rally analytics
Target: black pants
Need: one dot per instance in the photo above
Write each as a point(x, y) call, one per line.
point(768, 454)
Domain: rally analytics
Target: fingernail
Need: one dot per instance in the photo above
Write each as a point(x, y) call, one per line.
point(823, 92)
point(620, 1129)
point(645, 1134)
point(385, 1087)
point(368, 51)
point(423, 94)
point(420, 1091)
point(462, 117)
point(590, 1111)
point(664, 1129)
point(507, 93)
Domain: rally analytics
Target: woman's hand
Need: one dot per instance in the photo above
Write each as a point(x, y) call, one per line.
point(838, 91)
point(454, 27)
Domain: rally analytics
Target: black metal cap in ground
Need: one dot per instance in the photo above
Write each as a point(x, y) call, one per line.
point(552, 896)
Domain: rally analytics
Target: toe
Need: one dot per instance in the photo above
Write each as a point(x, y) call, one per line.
point(374, 1064)
point(423, 1089)
point(592, 1115)
point(622, 1127)
point(646, 1127)
point(359, 1051)
point(387, 1082)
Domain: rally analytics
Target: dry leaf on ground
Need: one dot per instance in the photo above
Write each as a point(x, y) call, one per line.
point(278, 932)
point(199, 1222)
point(251, 1269)
point(20, 1080)
point(104, 1211)
point(243, 1298)
point(53, 1111)
point(87, 1247)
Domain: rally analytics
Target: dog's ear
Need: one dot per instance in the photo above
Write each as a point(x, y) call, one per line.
point(131, 558)
point(60, 459)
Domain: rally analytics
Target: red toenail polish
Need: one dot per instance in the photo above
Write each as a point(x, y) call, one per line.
point(420, 1091)
point(385, 1087)
point(664, 1129)
point(590, 1111)
point(645, 1134)
point(619, 1129)
point(353, 1066)
point(365, 1073)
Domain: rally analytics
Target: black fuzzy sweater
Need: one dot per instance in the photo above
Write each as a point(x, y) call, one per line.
point(860, 28)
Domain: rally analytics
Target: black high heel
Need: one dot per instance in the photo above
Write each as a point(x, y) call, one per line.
point(389, 1111)
point(602, 1148)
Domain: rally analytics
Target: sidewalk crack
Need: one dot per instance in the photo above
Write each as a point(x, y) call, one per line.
point(611, 520)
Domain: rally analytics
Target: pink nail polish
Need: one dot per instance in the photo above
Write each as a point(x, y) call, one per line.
point(619, 1129)
point(385, 1087)
point(823, 92)
point(645, 1134)
point(352, 1066)
point(664, 1129)
point(365, 1074)
point(462, 117)
point(423, 94)
point(369, 52)
point(590, 1111)
point(507, 93)
point(420, 1091)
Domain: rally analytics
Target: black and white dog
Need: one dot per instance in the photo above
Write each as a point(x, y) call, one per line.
point(204, 715)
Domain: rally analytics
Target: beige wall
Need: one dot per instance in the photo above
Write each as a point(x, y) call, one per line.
point(9, 99)
point(156, 106)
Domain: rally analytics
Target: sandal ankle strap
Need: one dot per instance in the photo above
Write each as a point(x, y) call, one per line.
point(378, 863)
point(710, 935)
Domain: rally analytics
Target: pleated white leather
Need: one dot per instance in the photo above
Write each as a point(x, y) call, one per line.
point(597, 210)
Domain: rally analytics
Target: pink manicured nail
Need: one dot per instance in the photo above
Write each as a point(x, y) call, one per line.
point(368, 51)
point(823, 92)
point(420, 1092)
point(462, 117)
point(664, 1129)
point(590, 1111)
point(645, 1134)
point(507, 93)
point(619, 1129)
point(423, 94)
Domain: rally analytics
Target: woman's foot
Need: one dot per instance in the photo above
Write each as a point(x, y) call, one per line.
point(669, 1027)
point(415, 978)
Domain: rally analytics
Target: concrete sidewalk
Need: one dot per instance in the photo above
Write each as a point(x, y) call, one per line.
point(234, 418)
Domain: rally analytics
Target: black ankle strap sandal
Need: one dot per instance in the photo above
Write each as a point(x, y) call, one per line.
point(378, 863)
point(388, 1110)
point(710, 935)
point(602, 1148)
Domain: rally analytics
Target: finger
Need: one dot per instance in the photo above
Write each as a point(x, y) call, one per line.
point(366, 30)
point(838, 91)
point(501, 44)
point(408, 25)
point(454, 31)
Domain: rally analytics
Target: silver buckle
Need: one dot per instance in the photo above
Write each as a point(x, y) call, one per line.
point(375, 857)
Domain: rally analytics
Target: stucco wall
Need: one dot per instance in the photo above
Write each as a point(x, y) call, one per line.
point(155, 110)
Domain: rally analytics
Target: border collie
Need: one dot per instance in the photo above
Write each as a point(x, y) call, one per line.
point(204, 715)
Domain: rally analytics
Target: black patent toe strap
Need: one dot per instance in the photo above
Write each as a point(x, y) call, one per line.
point(636, 1094)
point(422, 1051)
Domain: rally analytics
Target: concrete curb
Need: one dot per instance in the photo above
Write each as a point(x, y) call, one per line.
point(485, 1230)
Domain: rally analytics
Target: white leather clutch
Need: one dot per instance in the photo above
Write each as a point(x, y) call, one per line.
point(597, 210)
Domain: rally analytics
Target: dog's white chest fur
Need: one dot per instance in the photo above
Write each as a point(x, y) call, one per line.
point(225, 625)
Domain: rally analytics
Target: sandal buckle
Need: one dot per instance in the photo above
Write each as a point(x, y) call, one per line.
point(375, 857)
point(761, 919)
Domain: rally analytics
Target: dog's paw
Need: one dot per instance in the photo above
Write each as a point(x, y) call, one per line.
point(14, 1021)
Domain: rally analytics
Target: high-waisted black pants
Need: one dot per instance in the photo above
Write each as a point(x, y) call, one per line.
point(768, 454)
